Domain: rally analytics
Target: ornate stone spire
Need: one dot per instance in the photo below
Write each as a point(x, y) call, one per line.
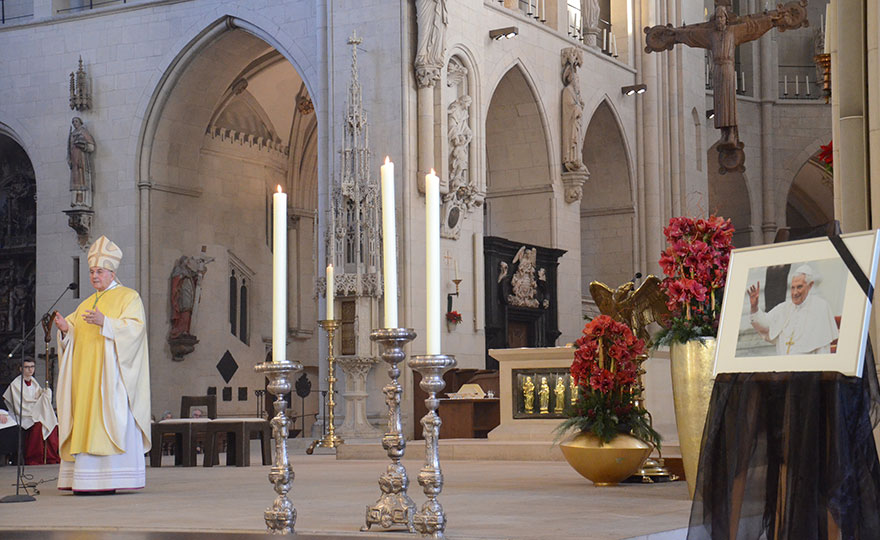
point(355, 235)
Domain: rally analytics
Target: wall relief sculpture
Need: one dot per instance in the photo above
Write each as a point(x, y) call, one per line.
point(463, 195)
point(186, 287)
point(528, 284)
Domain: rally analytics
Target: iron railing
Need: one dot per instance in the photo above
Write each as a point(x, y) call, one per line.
point(90, 4)
point(13, 10)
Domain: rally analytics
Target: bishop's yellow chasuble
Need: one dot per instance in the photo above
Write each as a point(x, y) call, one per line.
point(101, 378)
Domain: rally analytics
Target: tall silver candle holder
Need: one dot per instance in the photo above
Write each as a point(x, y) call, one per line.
point(281, 516)
point(330, 439)
point(394, 507)
point(431, 519)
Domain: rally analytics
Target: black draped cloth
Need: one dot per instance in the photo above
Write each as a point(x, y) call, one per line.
point(790, 456)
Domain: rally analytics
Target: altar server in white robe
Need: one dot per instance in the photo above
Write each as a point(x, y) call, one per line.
point(104, 384)
point(31, 405)
point(803, 324)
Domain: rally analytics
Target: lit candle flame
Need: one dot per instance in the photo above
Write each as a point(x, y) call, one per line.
point(433, 173)
point(279, 188)
point(387, 160)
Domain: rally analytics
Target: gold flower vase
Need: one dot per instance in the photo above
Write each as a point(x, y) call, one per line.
point(605, 464)
point(691, 364)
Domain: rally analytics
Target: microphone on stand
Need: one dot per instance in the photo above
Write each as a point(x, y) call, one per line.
point(19, 483)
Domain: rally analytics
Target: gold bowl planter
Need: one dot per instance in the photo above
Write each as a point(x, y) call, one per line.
point(605, 464)
point(691, 365)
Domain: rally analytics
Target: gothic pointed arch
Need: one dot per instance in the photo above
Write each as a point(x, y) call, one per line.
point(608, 215)
point(221, 130)
point(519, 183)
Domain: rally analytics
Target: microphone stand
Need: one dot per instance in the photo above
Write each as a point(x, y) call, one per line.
point(19, 458)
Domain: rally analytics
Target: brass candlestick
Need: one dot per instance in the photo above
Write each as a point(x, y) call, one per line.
point(281, 516)
point(431, 519)
point(394, 507)
point(330, 439)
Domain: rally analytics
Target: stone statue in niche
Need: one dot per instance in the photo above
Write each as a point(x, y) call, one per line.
point(80, 147)
point(186, 286)
point(721, 35)
point(460, 137)
point(432, 17)
point(590, 22)
point(572, 111)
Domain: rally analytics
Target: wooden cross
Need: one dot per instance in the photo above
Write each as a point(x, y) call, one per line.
point(720, 35)
point(447, 258)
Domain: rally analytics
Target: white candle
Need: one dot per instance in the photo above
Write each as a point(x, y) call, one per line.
point(785, 85)
point(807, 83)
point(735, 81)
point(797, 87)
point(743, 85)
point(331, 291)
point(389, 244)
point(279, 276)
point(614, 44)
point(432, 261)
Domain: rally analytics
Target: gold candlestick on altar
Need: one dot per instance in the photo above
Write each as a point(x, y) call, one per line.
point(330, 439)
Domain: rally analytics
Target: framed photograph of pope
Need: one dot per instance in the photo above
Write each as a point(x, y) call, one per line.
point(796, 306)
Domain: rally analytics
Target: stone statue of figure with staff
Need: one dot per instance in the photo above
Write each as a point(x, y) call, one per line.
point(720, 35)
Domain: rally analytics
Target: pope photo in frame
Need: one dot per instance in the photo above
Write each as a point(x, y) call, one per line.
point(796, 306)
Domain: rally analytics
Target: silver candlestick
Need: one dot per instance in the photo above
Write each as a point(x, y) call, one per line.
point(281, 516)
point(431, 519)
point(394, 506)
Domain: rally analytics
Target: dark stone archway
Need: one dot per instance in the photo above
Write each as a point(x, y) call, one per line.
point(18, 252)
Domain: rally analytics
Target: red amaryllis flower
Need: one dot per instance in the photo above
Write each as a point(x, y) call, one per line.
point(602, 381)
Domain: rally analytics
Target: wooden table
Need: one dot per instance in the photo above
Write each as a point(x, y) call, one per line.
point(185, 431)
point(469, 418)
point(238, 440)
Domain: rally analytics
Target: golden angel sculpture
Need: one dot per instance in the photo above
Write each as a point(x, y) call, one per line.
point(635, 307)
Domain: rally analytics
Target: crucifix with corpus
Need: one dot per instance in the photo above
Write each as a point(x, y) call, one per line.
point(721, 34)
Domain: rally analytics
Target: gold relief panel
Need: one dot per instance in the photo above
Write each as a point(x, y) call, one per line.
point(543, 393)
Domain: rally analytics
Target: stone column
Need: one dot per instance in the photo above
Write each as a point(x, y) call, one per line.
point(769, 93)
point(848, 67)
point(426, 77)
point(356, 425)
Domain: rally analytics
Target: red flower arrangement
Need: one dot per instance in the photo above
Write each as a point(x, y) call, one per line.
point(453, 317)
point(605, 370)
point(826, 156)
point(695, 262)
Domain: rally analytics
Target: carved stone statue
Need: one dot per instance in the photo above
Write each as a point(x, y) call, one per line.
point(432, 18)
point(721, 35)
point(559, 392)
point(80, 147)
point(186, 286)
point(590, 21)
point(523, 283)
point(460, 137)
point(572, 111)
point(528, 390)
point(544, 396)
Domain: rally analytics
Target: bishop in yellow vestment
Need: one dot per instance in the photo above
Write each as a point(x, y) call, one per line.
point(104, 384)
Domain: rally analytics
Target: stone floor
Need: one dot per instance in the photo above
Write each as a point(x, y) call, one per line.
point(483, 500)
